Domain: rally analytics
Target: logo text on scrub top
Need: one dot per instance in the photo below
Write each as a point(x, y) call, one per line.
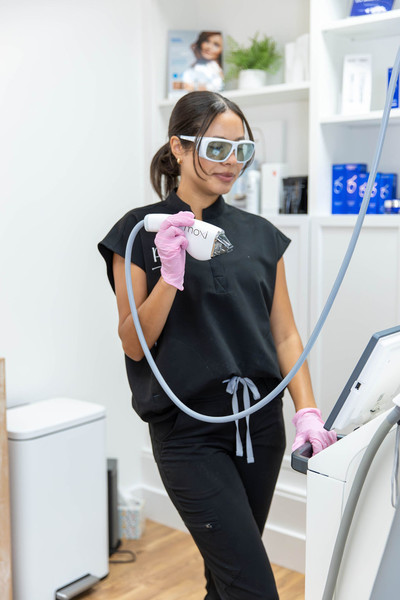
point(155, 258)
point(196, 232)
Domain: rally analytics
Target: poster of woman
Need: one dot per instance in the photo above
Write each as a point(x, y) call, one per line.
point(195, 62)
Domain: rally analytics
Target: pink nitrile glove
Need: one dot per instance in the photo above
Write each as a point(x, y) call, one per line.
point(310, 428)
point(171, 244)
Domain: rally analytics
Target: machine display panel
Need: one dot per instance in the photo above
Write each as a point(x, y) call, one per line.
point(372, 385)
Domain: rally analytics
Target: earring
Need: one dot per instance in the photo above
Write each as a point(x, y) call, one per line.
point(179, 161)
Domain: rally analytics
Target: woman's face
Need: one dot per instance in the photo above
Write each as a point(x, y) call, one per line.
point(212, 47)
point(215, 178)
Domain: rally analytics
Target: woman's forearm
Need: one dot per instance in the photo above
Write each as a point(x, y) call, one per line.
point(153, 313)
point(153, 309)
point(300, 387)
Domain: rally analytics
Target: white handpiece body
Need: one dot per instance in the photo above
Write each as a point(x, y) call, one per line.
point(201, 235)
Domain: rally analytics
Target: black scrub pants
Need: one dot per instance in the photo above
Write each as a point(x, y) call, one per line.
point(222, 499)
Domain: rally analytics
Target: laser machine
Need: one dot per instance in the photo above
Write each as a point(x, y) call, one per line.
point(347, 557)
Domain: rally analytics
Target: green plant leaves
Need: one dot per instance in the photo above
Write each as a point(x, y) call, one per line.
point(260, 54)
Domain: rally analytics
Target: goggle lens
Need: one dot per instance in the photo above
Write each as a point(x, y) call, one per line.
point(220, 150)
point(244, 152)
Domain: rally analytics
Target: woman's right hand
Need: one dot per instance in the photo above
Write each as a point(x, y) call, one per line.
point(171, 244)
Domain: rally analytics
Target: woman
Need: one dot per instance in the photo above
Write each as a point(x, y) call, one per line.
point(222, 333)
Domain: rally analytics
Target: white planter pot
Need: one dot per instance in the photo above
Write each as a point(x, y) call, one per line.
point(252, 78)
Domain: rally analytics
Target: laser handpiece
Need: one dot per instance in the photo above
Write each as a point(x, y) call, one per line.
point(205, 240)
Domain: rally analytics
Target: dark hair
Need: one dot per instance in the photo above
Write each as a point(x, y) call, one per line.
point(204, 37)
point(192, 115)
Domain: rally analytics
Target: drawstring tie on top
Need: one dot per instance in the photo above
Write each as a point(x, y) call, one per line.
point(232, 388)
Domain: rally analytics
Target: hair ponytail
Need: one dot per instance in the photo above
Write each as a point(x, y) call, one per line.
point(164, 171)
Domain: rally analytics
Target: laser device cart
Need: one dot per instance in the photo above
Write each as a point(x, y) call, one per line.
point(363, 405)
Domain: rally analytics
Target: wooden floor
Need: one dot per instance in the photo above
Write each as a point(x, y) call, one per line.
point(169, 567)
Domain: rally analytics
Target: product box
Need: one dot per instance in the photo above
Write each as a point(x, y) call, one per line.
point(338, 189)
point(297, 59)
point(370, 7)
point(373, 204)
point(272, 175)
point(392, 207)
point(395, 101)
point(295, 195)
point(345, 198)
point(353, 173)
point(356, 84)
point(131, 518)
point(387, 190)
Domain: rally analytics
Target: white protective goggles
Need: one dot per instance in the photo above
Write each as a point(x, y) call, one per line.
point(220, 149)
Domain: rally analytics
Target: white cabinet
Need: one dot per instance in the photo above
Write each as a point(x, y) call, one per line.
point(368, 301)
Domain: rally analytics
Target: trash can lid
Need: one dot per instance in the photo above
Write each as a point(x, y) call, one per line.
point(48, 416)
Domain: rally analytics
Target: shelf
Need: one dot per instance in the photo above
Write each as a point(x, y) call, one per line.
point(372, 118)
point(366, 27)
point(370, 221)
point(269, 94)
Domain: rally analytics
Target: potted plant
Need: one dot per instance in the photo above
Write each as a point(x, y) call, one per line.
point(252, 63)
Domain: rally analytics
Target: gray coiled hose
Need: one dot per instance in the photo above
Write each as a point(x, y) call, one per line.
point(325, 311)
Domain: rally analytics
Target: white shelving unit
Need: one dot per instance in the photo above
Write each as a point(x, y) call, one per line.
point(336, 138)
point(287, 103)
point(327, 136)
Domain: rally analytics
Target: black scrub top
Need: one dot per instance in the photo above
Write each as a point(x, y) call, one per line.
point(219, 325)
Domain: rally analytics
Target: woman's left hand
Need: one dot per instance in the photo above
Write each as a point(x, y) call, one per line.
point(310, 428)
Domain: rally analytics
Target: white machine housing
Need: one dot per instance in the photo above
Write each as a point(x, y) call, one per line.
point(329, 479)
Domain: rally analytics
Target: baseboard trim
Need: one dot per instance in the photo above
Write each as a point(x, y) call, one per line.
point(285, 548)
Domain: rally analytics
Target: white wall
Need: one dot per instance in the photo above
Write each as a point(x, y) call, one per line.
point(70, 166)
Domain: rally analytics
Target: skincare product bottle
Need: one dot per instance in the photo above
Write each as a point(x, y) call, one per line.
point(272, 175)
point(253, 188)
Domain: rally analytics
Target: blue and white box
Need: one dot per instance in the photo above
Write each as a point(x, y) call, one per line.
point(338, 190)
point(387, 190)
point(345, 187)
point(370, 7)
point(374, 199)
point(395, 101)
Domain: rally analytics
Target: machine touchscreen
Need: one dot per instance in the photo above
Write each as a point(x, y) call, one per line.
point(371, 387)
